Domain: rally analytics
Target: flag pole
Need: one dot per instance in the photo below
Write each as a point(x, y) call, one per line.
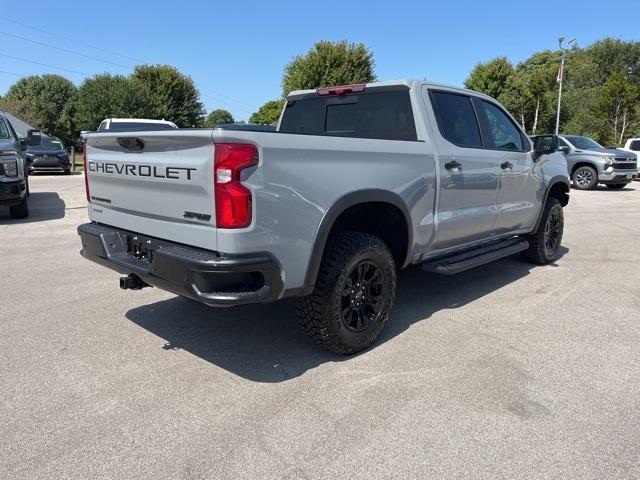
point(561, 78)
point(560, 75)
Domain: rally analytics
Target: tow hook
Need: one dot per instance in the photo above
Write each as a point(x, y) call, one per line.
point(132, 282)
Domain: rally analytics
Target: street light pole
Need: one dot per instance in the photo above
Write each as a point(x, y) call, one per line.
point(561, 78)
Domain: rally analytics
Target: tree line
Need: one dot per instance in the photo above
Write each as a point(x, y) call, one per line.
point(59, 108)
point(601, 90)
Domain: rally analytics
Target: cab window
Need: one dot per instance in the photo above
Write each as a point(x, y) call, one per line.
point(456, 119)
point(502, 133)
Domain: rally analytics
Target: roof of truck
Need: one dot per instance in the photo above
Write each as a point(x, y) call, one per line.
point(139, 120)
point(389, 84)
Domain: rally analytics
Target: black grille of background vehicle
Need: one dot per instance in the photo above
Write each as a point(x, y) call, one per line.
point(46, 161)
point(625, 166)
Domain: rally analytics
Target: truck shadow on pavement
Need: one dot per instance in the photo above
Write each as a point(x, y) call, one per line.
point(42, 206)
point(264, 343)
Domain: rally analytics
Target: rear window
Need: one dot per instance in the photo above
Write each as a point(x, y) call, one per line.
point(635, 145)
point(138, 127)
point(380, 115)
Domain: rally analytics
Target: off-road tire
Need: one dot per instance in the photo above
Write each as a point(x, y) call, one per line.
point(322, 313)
point(616, 186)
point(539, 251)
point(585, 178)
point(20, 211)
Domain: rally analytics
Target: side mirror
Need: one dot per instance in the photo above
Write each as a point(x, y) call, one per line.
point(564, 149)
point(544, 145)
point(34, 137)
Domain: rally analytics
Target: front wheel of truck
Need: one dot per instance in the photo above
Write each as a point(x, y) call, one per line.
point(585, 178)
point(544, 243)
point(353, 296)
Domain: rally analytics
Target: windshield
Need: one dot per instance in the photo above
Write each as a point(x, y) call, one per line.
point(47, 144)
point(4, 131)
point(582, 143)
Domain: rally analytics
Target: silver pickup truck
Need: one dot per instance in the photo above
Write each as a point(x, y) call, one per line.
point(589, 163)
point(356, 183)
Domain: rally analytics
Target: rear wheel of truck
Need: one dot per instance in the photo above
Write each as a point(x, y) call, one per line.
point(544, 243)
point(353, 296)
point(616, 186)
point(585, 178)
point(20, 211)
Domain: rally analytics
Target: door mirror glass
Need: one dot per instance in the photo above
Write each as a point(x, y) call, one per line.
point(544, 145)
point(34, 137)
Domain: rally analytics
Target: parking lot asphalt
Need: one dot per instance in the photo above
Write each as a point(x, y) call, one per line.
point(505, 371)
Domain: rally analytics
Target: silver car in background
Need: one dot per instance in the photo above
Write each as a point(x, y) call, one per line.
point(589, 163)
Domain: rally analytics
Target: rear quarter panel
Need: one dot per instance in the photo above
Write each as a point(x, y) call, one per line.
point(299, 178)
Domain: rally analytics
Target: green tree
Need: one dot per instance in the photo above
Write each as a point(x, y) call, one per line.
point(490, 77)
point(329, 63)
point(618, 104)
point(104, 96)
point(538, 87)
point(19, 109)
point(517, 97)
point(611, 56)
point(41, 99)
point(171, 95)
point(582, 113)
point(218, 117)
point(269, 113)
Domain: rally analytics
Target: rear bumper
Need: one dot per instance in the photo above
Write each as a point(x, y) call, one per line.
point(212, 278)
point(12, 193)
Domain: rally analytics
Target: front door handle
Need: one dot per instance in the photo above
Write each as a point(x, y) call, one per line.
point(506, 165)
point(451, 165)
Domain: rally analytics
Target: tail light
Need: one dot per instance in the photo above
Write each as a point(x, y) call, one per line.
point(86, 172)
point(233, 200)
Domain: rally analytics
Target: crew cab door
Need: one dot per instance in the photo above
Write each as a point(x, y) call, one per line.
point(468, 173)
point(519, 190)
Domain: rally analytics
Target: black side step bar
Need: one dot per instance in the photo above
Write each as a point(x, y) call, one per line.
point(475, 257)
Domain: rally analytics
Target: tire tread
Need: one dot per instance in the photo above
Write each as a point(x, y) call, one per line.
point(313, 314)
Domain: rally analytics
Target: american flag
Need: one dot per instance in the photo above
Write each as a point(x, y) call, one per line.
point(560, 73)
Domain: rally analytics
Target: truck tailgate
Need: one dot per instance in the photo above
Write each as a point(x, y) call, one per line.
point(149, 181)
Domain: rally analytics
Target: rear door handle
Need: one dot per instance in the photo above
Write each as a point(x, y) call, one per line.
point(451, 165)
point(506, 165)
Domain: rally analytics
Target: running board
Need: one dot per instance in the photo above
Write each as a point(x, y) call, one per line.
point(475, 257)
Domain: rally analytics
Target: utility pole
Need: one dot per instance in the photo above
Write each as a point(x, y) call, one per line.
point(561, 77)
